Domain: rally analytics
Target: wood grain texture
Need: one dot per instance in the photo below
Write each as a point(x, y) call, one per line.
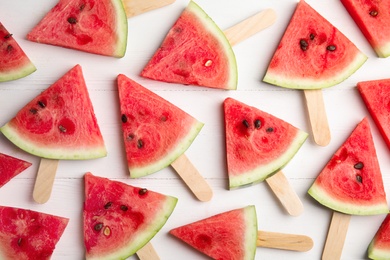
point(283, 241)
point(285, 193)
point(45, 180)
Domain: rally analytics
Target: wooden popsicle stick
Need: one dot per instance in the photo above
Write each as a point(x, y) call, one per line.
point(147, 252)
point(192, 178)
point(136, 7)
point(336, 236)
point(44, 180)
point(317, 116)
point(285, 193)
point(250, 26)
point(292, 242)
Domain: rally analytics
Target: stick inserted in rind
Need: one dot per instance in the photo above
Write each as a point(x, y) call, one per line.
point(336, 236)
point(285, 193)
point(192, 178)
point(44, 180)
point(283, 241)
point(147, 252)
point(136, 7)
point(317, 116)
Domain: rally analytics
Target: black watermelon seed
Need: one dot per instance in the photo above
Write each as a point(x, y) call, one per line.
point(10, 48)
point(72, 20)
point(245, 123)
point(33, 111)
point(359, 166)
point(142, 191)
point(98, 226)
point(140, 143)
point(312, 36)
point(62, 129)
point(8, 36)
point(108, 205)
point(124, 207)
point(269, 129)
point(359, 178)
point(20, 241)
point(124, 118)
point(257, 123)
point(331, 48)
point(41, 104)
point(303, 43)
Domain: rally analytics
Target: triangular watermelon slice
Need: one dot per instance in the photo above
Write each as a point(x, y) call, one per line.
point(373, 19)
point(228, 235)
point(14, 63)
point(10, 167)
point(376, 96)
point(155, 131)
point(379, 247)
point(27, 234)
point(258, 144)
point(195, 51)
point(98, 27)
point(351, 182)
point(312, 53)
point(59, 123)
point(119, 219)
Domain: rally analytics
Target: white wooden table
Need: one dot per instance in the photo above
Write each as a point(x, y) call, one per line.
point(343, 104)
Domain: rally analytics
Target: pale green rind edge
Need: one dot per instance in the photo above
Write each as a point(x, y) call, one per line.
point(133, 246)
point(347, 208)
point(44, 152)
point(303, 83)
point(250, 238)
point(376, 253)
point(263, 172)
point(218, 33)
point(383, 51)
point(18, 72)
point(171, 156)
point(122, 29)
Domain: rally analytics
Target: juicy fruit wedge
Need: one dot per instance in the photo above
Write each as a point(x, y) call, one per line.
point(59, 123)
point(14, 63)
point(258, 144)
point(195, 51)
point(95, 26)
point(228, 235)
point(10, 167)
point(312, 53)
point(119, 219)
point(379, 247)
point(376, 96)
point(155, 131)
point(373, 19)
point(351, 182)
point(27, 234)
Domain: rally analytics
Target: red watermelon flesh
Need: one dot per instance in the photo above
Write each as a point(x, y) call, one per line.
point(229, 235)
point(10, 167)
point(312, 53)
point(155, 131)
point(59, 123)
point(95, 26)
point(258, 144)
point(351, 182)
point(14, 63)
point(373, 19)
point(119, 219)
point(376, 96)
point(195, 51)
point(379, 247)
point(29, 235)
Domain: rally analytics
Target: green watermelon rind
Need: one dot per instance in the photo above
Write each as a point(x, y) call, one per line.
point(347, 208)
point(263, 172)
point(250, 238)
point(142, 239)
point(122, 29)
point(18, 73)
point(216, 31)
point(308, 83)
point(376, 253)
point(181, 147)
point(74, 153)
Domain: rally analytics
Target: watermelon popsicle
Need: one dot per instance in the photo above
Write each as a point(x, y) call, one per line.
point(350, 184)
point(312, 55)
point(234, 235)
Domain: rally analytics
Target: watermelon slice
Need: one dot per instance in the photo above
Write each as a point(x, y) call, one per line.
point(379, 247)
point(10, 167)
point(95, 26)
point(195, 51)
point(312, 53)
point(373, 19)
point(14, 63)
point(351, 182)
point(258, 144)
point(59, 123)
point(155, 131)
point(228, 235)
point(29, 235)
point(376, 96)
point(119, 219)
